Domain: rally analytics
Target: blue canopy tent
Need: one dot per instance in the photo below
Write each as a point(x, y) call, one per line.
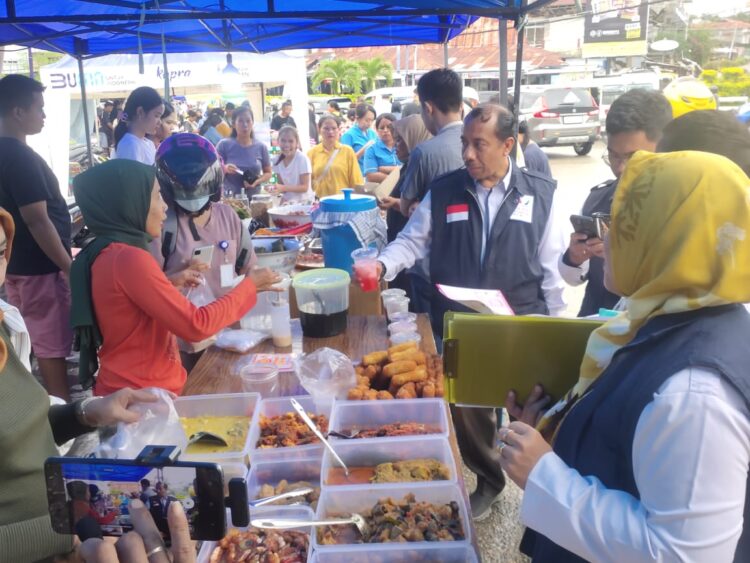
point(90, 28)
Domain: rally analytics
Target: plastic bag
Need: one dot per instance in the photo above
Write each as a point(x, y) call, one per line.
point(159, 424)
point(200, 296)
point(240, 341)
point(326, 374)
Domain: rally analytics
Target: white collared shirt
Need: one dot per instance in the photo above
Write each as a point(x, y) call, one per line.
point(413, 243)
point(691, 451)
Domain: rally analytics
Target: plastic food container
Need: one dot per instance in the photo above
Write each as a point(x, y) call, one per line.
point(366, 453)
point(276, 407)
point(323, 301)
point(272, 471)
point(402, 326)
point(265, 383)
point(336, 501)
point(399, 317)
point(285, 512)
point(353, 415)
point(279, 261)
point(402, 337)
point(392, 292)
point(396, 553)
point(395, 304)
point(229, 404)
point(290, 216)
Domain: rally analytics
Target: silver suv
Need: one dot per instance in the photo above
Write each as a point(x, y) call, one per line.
point(561, 117)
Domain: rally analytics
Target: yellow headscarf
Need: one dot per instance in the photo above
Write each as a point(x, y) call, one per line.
point(679, 240)
point(9, 227)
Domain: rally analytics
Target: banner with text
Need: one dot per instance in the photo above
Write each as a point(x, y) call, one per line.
point(615, 28)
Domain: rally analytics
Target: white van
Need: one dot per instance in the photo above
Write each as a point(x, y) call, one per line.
point(382, 98)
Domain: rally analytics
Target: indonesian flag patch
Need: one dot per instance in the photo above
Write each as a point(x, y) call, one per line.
point(459, 212)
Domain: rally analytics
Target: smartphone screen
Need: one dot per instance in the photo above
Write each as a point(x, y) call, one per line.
point(204, 254)
point(86, 494)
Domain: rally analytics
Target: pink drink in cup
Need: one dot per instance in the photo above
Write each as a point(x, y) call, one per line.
point(366, 268)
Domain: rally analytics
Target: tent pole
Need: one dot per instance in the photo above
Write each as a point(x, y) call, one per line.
point(502, 29)
point(31, 63)
point(445, 54)
point(520, 33)
point(166, 74)
point(86, 125)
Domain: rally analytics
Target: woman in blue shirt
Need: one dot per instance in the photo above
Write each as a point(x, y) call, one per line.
point(381, 159)
point(361, 136)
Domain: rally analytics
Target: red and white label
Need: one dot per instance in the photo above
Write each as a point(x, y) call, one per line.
point(459, 212)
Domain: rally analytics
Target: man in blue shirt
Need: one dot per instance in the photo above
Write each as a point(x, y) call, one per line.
point(361, 136)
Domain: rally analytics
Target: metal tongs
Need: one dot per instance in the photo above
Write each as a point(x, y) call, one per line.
point(303, 415)
point(284, 524)
point(289, 494)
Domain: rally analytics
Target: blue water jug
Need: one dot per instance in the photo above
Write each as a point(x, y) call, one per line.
point(339, 240)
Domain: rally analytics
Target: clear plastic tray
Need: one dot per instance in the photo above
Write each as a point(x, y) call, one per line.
point(397, 553)
point(336, 501)
point(272, 471)
point(276, 407)
point(366, 453)
point(286, 512)
point(348, 415)
point(229, 404)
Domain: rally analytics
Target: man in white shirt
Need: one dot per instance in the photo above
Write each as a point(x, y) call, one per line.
point(492, 225)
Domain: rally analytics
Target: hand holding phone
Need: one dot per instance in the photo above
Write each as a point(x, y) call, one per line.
point(204, 254)
point(584, 225)
point(148, 540)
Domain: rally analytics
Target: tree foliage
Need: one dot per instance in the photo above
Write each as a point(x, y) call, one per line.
point(731, 81)
point(341, 73)
point(374, 69)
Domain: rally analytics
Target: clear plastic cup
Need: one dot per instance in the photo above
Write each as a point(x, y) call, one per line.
point(403, 337)
point(396, 305)
point(264, 382)
point(392, 292)
point(409, 317)
point(365, 268)
point(402, 326)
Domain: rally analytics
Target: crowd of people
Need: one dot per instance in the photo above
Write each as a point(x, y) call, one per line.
point(647, 457)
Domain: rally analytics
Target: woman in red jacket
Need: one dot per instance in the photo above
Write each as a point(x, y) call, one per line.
point(126, 312)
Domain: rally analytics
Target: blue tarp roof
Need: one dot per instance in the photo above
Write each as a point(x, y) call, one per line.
point(99, 27)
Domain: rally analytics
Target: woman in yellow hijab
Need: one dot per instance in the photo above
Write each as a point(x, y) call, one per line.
point(651, 459)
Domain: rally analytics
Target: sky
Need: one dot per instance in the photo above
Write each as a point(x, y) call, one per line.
point(700, 7)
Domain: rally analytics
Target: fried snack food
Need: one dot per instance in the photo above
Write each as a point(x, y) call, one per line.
point(370, 395)
point(389, 378)
point(402, 347)
point(375, 358)
point(262, 546)
point(284, 486)
point(393, 429)
point(419, 374)
point(395, 368)
point(407, 391)
point(289, 430)
point(356, 394)
point(409, 355)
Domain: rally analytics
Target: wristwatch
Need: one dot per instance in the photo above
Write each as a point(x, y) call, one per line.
point(80, 411)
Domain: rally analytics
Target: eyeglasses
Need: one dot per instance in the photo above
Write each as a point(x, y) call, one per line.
point(612, 160)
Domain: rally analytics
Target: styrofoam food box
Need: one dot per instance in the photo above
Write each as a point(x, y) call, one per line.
point(442, 552)
point(228, 404)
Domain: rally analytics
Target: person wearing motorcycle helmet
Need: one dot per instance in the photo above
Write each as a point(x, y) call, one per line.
point(190, 174)
point(687, 94)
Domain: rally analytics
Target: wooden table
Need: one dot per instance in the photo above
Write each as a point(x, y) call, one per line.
point(215, 371)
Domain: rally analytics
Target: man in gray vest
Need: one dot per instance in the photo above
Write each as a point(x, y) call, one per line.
point(490, 225)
